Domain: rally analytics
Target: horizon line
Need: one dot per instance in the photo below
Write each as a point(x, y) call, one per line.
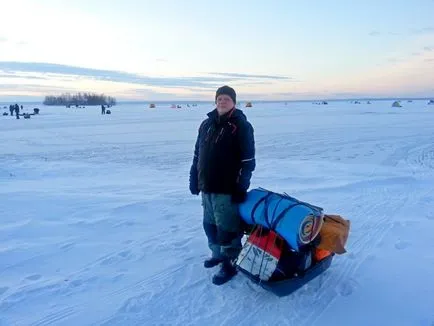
point(261, 100)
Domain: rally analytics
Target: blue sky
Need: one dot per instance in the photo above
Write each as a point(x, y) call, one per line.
point(164, 50)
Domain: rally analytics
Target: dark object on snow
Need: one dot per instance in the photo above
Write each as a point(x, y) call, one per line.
point(212, 262)
point(36, 111)
point(26, 116)
point(17, 110)
point(5, 113)
point(431, 102)
point(108, 112)
point(225, 274)
point(396, 104)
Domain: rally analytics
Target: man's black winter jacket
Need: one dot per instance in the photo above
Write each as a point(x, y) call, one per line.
point(224, 154)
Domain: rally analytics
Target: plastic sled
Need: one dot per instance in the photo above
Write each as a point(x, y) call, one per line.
point(285, 287)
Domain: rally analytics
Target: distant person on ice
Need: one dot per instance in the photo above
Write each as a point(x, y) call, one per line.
point(17, 111)
point(102, 109)
point(224, 159)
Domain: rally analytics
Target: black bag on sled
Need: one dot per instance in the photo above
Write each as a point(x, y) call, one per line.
point(267, 259)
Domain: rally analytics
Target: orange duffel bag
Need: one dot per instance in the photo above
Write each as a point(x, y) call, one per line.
point(334, 234)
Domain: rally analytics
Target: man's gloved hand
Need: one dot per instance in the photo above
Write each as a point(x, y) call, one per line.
point(194, 189)
point(239, 196)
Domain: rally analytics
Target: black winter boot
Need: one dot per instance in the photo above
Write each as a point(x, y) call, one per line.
point(225, 274)
point(211, 262)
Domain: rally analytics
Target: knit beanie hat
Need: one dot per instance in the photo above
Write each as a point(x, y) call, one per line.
point(227, 91)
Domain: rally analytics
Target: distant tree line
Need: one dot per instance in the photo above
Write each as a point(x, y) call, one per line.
point(80, 99)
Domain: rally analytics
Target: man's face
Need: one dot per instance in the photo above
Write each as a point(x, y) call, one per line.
point(224, 104)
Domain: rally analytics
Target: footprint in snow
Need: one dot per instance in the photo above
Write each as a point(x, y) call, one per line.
point(174, 228)
point(109, 261)
point(124, 223)
point(67, 246)
point(114, 259)
point(34, 277)
point(401, 244)
point(169, 216)
point(136, 305)
point(124, 253)
point(76, 283)
point(117, 277)
point(347, 288)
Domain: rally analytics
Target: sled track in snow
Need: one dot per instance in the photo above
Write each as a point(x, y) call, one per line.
point(187, 285)
point(368, 228)
point(159, 291)
point(422, 157)
point(56, 317)
point(157, 282)
point(367, 231)
point(79, 280)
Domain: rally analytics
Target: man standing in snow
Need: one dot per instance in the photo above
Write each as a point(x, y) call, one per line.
point(224, 159)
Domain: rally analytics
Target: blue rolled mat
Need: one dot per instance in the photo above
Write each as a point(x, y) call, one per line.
point(296, 221)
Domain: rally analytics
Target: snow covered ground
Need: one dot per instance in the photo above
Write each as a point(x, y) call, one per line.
point(97, 226)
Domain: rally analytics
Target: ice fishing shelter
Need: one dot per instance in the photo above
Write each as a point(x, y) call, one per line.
point(396, 104)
